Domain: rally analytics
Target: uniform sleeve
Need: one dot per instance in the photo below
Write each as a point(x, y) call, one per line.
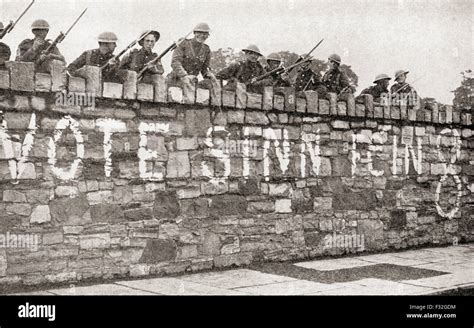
point(56, 54)
point(366, 91)
point(176, 61)
point(228, 72)
point(125, 63)
point(205, 66)
point(78, 63)
point(394, 88)
point(158, 68)
point(344, 80)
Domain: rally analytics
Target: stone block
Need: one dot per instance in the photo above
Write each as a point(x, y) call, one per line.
point(312, 102)
point(254, 100)
point(178, 165)
point(22, 76)
point(369, 105)
point(42, 82)
point(301, 105)
point(341, 108)
point(228, 98)
point(278, 102)
point(241, 96)
point(92, 76)
point(76, 84)
point(145, 92)
point(129, 79)
point(189, 94)
point(112, 90)
point(258, 118)
point(268, 98)
point(435, 113)
point(161, 89)
point(216, 92)
point(203, 96)
point(324, 107)
point(283, 206)
point(4, 79)
point(332, 103)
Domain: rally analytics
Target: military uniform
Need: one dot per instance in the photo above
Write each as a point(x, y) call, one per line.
point(95, 58)
point(307, 80)
point(336, 80)
point(137, 59)
point(243, 72)
point(277, 81)
point(26, 53)
point(190, 58)
point(401, 88)
point(5, 54)
point(376, 91)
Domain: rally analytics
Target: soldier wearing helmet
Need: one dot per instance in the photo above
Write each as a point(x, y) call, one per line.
point(335, 80)
point(401, 89)
point(245, 71)
point(5, 52)
point(32, 50)
point(99, 57)
point(137, 59)
point(308, 78)
point(380, 88)
point(277, 80)
point(192, 57)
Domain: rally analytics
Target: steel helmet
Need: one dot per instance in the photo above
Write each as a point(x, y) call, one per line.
point(335, 58)
point(40, 24)
point(382, 77)
point(252, 48)
point(400, 72)
point(274, 56)
point(202, 27)
point(155, 33)
point(107, 37)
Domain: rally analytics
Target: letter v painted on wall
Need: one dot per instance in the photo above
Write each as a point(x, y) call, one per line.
point(16, 153)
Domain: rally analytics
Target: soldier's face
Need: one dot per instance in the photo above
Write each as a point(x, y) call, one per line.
point(402, 78)
point(107, 47)
point(252, 56)
point(272, 64)
point(3, 58)
point(332, 64)
point(149, 42)
point(41, 33)
point(201, 36)
point(385, 83)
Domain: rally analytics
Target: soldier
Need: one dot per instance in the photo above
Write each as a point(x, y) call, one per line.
point(308, 79)
point(5, 52)
point(190, 58)
point(402, 90)
point(138, 59)
point(33, 50)
point(334, 79)
point(245, 71)
point(277, 80)
point(99, 57)
point(380, 89)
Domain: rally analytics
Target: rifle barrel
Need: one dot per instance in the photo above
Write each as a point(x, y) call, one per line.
point(75, 22)
point(22, 14)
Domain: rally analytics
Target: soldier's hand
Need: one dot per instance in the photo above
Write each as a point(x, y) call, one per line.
point(113, 62)
point(192, 78)
point(37, 44)
point(253, 80)
point(285, 76)
point(211, 76)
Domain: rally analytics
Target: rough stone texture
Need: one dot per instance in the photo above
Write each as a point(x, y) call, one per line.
point(216, 205)
point(22, 76)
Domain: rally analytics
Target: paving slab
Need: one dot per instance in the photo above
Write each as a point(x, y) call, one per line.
point(298, 287)
point(175, 286)
point(393, 259)
point(372, 286)
point(104, 289)
point(458, 278)
point(334, 264)
point(236, 278)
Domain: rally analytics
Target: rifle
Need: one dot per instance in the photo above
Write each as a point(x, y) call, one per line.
point(60, 37)
point(131, 45)
point(406, 85)
point(173, 46)
point(12, 24)
point(281, 70)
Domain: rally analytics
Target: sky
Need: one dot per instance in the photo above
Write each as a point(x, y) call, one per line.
point(433, 39)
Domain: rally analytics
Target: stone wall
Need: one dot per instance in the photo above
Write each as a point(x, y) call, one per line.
point(143, 179)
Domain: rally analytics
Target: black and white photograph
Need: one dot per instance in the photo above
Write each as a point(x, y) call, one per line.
point(243, 148)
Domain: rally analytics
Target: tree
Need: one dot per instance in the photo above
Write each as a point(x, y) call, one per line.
point(224, 57)
point(464, 94)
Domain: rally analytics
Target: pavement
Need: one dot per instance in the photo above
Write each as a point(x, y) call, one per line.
point(426, 271)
